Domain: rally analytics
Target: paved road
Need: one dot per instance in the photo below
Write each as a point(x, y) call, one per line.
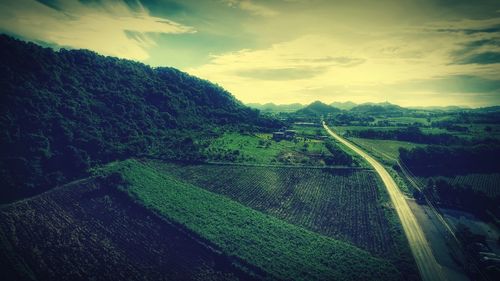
point(427, 264)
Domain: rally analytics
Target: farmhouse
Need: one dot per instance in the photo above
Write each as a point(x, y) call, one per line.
point(286, 135)
point(307, 124)
point(277, 136)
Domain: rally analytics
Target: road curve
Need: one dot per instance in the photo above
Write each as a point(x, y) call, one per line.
point(427, 265)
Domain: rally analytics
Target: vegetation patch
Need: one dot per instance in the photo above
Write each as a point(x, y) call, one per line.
point(260, 148)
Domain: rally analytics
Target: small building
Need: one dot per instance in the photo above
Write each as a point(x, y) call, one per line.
point(277, 136)
point(290, 134)
point(307, 124)
point(284, 135)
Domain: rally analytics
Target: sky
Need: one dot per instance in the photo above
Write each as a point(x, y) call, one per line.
point(412, 53)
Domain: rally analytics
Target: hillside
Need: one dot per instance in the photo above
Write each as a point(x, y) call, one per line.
point(374, 109)
point(63, 112)
point(343, 105)
point(317, 109)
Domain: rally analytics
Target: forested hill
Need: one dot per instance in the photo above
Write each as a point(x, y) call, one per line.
point(62, 112)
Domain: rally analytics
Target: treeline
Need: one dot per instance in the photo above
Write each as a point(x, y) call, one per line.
point(461, 197)
point(448, 160)
point(410, 134)
point(62, 112)
point(339, 156)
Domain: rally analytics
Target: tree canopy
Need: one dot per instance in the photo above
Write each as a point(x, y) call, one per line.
point(62, 112)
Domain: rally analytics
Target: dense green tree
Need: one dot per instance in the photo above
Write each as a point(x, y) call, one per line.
point(62, 112)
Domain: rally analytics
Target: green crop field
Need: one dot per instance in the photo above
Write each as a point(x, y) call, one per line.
point(282, 249)
point(346, 204)
point(343, 129)
point(388, 150)
point(407, 120)
point(309, 130)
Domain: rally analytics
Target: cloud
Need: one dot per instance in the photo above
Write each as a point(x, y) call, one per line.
point(108, 27)
point(482, 58)
point(252, 7)
point(320, 65)
point(282, 73)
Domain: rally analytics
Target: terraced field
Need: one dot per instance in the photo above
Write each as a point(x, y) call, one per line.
point(387, 150)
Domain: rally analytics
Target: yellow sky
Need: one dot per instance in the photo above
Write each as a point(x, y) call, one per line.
point(427, 52)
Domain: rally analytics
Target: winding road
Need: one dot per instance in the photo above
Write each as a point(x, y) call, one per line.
point(427, 265)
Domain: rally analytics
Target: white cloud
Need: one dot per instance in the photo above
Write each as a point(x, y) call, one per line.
point(252, 7)
point(336, 69)
point(101, 28)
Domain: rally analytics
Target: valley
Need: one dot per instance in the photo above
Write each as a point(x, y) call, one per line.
point(148, 173)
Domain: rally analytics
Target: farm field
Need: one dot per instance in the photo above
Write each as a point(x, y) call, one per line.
point(344, 204)
point(283, 250)
point(309, 130)
point(407, 120)
point(89, 229)
point(388, 150)
point(343, 129)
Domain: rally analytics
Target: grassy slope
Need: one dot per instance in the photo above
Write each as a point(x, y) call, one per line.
point(282, 249)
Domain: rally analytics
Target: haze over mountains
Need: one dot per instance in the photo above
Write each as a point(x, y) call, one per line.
point(347, 105)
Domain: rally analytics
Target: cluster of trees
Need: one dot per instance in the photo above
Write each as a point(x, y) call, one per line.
point(450, 126)
point(339, 156)
point(411, 134)
point(62, 112)
point(447, 160)
point(461, 197)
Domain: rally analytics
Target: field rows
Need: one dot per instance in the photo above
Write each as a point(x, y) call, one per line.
point(264, 243)
point(342, 204)
point(87, 231)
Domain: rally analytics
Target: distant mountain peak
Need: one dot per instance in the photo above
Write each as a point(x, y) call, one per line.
point(318, 108)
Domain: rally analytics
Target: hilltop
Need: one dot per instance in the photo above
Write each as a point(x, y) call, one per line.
point(317, 109)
